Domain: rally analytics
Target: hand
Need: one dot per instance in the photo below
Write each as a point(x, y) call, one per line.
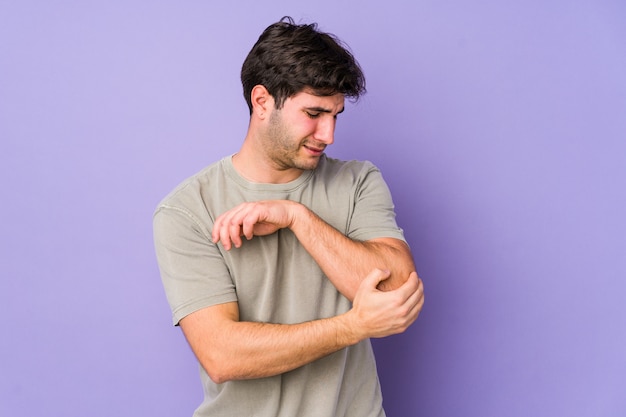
point(378, 314)
point(258, 218)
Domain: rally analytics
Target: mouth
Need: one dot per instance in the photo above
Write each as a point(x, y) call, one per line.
point(316, 151)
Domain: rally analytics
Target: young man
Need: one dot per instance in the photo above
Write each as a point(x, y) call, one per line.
point(280, 263)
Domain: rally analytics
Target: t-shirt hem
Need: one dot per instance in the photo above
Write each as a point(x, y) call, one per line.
point(363, 236)
point(195, 305)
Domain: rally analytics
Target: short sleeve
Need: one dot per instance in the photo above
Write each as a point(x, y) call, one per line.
point(192, 268)
point(373, 215)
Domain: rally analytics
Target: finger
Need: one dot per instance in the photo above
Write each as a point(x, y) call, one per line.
point(412, 304)
point(220, 223)
point(225, 237)
point(226, 225)
point(243, 220)
point(417, 308)
point(375, 276)
point(418, 294)
point(248, 223)
point(235, 235)
point(235, 227)
point(225, 233)
point(409, 287)
point(416, 301)
point(215, 233)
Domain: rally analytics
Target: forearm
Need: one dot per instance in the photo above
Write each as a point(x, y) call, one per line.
point(229, 349)
point(345, 261)
point(233, 350)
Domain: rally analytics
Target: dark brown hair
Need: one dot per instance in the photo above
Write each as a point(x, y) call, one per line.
point(287, 58)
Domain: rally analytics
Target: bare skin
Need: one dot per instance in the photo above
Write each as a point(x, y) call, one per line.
point(229, 349)
point(344, 261)
point(377, 275)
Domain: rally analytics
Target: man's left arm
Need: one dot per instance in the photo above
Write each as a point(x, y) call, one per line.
point(344, 261)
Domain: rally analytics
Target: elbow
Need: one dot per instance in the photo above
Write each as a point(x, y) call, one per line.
point(400, 273)
point(396, 280)
point(218, 378)
point(218, 371)
point(209, 334)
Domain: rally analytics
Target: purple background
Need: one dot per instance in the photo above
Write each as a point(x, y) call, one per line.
point(500, 127)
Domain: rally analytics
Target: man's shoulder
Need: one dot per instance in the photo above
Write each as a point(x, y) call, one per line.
point(334, 164)
point(192, 187)
point(333, 167)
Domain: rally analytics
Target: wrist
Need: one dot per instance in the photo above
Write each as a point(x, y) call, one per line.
point(297, 211)
point(346, 330)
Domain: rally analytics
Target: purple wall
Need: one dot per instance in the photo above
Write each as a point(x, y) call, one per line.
point(500, 129)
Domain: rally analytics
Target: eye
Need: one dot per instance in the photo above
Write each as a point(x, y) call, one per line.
point(313, 115)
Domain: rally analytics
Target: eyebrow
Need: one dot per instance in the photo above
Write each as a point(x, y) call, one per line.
point(323, 110)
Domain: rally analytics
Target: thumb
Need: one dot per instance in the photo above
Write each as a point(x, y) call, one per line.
point(375, 277)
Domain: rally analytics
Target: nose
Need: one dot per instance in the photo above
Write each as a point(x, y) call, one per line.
point(325, 130)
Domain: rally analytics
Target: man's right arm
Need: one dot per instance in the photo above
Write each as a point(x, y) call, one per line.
point(230, 349)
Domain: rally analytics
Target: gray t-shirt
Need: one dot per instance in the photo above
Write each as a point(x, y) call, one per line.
point(274, 279)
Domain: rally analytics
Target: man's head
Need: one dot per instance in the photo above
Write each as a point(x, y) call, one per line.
point(290, 58)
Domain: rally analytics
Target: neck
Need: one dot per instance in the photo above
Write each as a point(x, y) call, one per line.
point(255, 167)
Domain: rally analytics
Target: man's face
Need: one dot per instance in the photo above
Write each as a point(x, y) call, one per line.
point(298, 133)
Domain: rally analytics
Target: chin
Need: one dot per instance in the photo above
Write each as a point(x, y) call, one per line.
point(309, 165)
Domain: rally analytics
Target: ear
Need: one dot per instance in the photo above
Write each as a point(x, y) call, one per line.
point(262, 101)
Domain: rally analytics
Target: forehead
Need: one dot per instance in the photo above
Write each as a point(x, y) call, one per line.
point(306, 99)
